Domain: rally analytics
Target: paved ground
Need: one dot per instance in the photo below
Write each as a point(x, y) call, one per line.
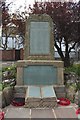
point(59, 112)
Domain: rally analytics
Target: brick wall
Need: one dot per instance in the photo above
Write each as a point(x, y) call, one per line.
point(21, 54)
point(0, 54)
point(11, 55)
point(7, 55)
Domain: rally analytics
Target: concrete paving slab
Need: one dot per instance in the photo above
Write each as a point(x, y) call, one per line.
point(9, 107)
point(74, 105)
point(63, 112)
point(42, 113)
point(17, 113)
point(59, 112)
point(79, 116)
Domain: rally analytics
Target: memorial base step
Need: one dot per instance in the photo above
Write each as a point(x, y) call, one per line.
point(41, 97)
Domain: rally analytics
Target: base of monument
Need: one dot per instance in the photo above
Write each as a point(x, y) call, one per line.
point(41, 104)
point(39, 72)
point(40, 97)
point(35, 98)
point(60, 91)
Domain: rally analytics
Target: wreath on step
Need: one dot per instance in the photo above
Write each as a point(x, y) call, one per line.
point(63, 101)
point(18, 101)
point(78, 111)
point(1, 115)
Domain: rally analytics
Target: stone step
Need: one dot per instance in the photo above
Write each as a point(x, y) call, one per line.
point(37, 96)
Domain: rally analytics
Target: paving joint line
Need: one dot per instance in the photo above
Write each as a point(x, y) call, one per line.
point(30, 113)
point(74, 108)
point(6, 113)
point(54, 114)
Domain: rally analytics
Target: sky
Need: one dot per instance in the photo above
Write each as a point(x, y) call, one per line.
point(17, 3)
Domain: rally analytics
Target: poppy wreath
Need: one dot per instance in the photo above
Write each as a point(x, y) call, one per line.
point(18, 102)
point(1, 115)
point(63, 101)
point(78, 111)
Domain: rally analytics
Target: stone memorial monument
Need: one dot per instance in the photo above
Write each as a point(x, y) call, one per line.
point(42, 75)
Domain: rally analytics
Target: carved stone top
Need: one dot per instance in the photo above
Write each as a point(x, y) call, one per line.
point(40, 17)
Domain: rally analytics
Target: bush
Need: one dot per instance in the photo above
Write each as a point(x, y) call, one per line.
point(9, 72)
point(75, 68)
point(0, 74)
point(73, 76)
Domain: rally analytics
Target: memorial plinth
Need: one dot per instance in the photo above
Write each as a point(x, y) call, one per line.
point(40, 72)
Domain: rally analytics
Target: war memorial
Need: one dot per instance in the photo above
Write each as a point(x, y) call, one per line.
point(39, 72)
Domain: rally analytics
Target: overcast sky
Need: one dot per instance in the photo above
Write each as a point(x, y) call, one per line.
point(18, 3)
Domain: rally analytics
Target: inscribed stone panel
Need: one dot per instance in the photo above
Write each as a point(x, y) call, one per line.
point(39, 38)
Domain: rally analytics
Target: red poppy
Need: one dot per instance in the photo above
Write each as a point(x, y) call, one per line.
point(78, 111)
point(1, 115)
point(63, 101)
point(18, 102)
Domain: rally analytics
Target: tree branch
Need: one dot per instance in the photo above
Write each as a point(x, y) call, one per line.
point(59, 51)
point(72, 47)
